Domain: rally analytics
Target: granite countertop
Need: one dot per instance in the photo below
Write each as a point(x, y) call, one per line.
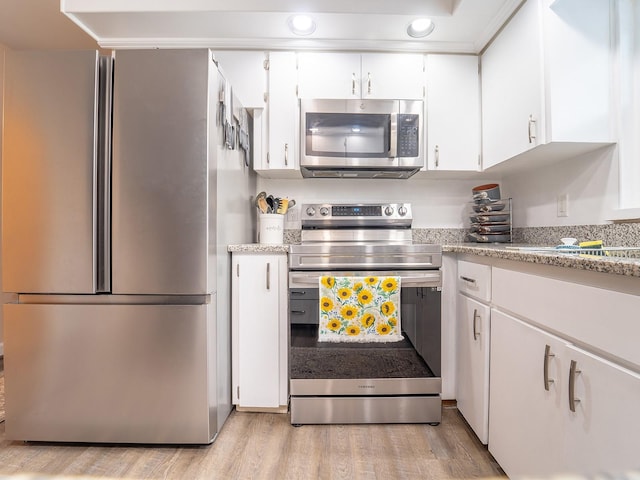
point(629, 267)
point(606, 264)
point(259, 248)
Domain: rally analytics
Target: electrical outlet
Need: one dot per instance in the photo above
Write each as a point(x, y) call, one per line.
point(292, 215)
point(292, 218)
point(563, 205)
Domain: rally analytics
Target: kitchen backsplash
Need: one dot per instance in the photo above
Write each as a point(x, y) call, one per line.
point(612, 235)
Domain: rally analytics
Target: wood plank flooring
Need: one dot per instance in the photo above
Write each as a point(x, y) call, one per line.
point(266, 446)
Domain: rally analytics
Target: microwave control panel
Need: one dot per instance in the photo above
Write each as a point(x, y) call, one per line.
point(408, 130)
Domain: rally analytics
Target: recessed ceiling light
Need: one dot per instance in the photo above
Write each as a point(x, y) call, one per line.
point(420, 27)
point(301, 24)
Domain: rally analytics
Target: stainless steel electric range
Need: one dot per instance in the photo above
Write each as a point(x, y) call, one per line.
point(373, 382)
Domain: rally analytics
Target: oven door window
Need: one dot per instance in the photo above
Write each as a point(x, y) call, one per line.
point(351, 135)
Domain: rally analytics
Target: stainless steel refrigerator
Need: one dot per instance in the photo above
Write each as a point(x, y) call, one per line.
point(120, 331)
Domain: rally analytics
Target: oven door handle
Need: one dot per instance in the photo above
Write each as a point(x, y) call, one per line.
point(408, 279)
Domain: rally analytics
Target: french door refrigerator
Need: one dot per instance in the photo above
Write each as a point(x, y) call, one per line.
point(114, 257)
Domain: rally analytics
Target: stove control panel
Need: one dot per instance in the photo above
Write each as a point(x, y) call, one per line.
point(361, 214)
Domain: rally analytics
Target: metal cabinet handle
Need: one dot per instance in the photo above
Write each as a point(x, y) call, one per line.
point(268, 276)
point(573, 371)
point(468, 280)
point(298, 312)
point(301, 292)
point(547, 354)
point(437, 156)
point(476, 334)
point(368, 83)
point(286, 154)
point(532, 129)
point(353, 83)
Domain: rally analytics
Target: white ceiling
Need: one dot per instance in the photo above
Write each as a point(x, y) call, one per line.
point(461, 25)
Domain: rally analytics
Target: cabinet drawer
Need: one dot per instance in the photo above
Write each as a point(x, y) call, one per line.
point(604, 319)
point(474, 280)
point(303, 311)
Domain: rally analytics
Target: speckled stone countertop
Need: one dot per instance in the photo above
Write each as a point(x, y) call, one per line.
point(258, 248)
point(629, 267)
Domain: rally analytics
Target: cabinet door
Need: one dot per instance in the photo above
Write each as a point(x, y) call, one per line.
point(392, 75)
point(453, 112)
point(256, 331)
point(525, 427)
point(282, 111)
point(329, 75)
point(245, 71)
point(473, 364)
point(512, 88)
point(602, 432)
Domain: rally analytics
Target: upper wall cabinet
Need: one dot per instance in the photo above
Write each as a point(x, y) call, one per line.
point(245, 71)
point(546, 82)
point(453, 112)
point(275, 129)
point(355, 76)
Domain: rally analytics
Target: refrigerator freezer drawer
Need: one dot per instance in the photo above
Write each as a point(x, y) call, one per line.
point(110, 373)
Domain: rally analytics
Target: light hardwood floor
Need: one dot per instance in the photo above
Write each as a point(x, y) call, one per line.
point(266, 446)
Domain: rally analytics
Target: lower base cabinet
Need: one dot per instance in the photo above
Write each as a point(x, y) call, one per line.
point(472, 361)
point(555, 408)
point(259, 332)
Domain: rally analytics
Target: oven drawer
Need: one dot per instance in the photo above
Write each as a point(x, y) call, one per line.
point(304, 311)
point(393, 409)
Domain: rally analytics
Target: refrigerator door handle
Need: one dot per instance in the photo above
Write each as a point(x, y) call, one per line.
point(103, 173)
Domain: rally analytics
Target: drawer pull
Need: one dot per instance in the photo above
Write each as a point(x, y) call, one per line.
point(573, 371)
point(468, 280)
point(298, 312)
point(302, 292)
point(547, 354)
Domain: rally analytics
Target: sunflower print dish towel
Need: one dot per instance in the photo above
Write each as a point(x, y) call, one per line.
point(359, 309)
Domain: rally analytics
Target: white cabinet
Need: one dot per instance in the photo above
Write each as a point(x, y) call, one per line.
point(473, 342)
point(392, 75)
point(355, 76)
point(601, 435)
point(259, 331)
point(244, 70)
point(276, 154)
point(525, 435)
point(546, 323)
point(473, 364)
point(329, 75)
point(453, 112)
point(546, 83)
point(585, 422)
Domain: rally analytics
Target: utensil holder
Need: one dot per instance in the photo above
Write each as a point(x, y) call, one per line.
point(271, 228)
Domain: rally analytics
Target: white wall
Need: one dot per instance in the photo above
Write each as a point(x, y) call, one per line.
point(591, 181)
point(437, 203)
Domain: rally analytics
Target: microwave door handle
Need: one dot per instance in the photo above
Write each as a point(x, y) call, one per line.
point(393, 134)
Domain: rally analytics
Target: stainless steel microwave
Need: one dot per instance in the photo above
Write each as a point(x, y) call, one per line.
point(361, 138)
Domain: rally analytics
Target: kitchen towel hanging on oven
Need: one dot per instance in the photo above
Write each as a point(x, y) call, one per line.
point(359, 309)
